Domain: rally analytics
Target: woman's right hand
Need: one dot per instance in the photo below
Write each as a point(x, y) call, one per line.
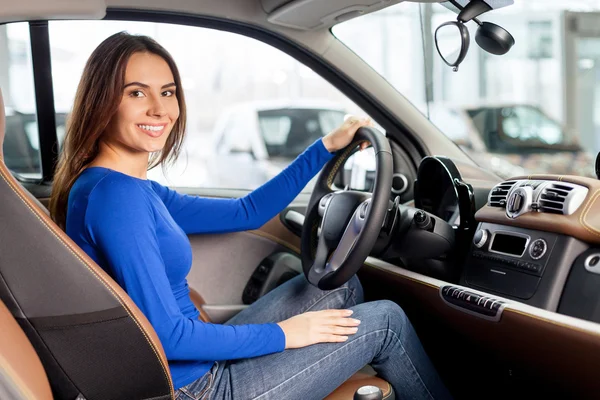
point(326, 326)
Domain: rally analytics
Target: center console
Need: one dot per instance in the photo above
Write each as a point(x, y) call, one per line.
point(509, 261)
point(524, 264)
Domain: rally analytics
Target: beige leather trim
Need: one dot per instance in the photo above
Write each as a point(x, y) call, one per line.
point(584, 224)
point(589, 216)
point(199, 302)
point(347, 389)
point(554, 348)
point(139, 319)
point(512, 306)
point(275, 231)
point(19, 361)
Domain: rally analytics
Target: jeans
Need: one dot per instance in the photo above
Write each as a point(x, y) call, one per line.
point(385, 339)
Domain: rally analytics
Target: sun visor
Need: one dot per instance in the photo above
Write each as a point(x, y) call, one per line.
point(29, 10)
point(495, 4)
point(316, 14)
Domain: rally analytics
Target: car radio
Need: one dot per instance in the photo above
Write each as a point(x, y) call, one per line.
point(508, 260)
point(514, 249)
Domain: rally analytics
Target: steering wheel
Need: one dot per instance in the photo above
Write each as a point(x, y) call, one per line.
point(342, 226)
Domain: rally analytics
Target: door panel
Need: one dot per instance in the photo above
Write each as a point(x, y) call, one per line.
point(223, 263)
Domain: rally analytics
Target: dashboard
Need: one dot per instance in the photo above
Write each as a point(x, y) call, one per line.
point(526, 281)
point(536, 240)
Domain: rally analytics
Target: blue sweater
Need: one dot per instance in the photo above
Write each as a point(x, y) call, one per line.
point(136, 229)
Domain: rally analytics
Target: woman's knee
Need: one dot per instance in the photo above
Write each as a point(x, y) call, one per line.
point(395, 314)
point(384, 314)
point(355, 290)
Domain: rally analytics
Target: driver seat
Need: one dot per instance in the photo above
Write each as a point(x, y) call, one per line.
point(92, 340)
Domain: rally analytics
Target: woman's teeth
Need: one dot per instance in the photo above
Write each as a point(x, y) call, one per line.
point(152, 128)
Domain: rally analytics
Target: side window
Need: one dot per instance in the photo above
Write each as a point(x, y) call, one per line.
point(21, 142)
point(287, 133)
point(251, 108)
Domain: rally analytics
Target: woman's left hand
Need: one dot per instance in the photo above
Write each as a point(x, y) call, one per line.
point(343, 135)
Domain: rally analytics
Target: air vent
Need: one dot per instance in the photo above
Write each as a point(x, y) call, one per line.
point(498, 194)
point(561, 198)
point(553, 197)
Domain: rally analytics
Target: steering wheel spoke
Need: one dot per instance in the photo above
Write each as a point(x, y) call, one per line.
point(324, 202)
point(323, 263)
point(350, 237)
point(317, 270)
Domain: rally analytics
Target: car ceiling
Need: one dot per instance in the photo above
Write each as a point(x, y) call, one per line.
point(297, 14)
point(303, 14)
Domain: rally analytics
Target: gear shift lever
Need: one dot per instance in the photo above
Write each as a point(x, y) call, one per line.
point(368, 393)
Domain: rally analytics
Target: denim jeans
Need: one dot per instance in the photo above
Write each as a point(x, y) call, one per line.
point(385, 339)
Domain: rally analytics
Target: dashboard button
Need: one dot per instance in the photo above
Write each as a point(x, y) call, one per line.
point(480, 238)
point(538, 249)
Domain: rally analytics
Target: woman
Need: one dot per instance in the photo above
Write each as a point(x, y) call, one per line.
point(129, 113)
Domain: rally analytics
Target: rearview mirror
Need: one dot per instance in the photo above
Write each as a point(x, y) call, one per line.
point(452, 42)
point(452, 38)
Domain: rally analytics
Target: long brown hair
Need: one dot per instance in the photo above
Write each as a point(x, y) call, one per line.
point(96, 102)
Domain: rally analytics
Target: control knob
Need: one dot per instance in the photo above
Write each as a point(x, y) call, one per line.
point(368, 393)
point(538, 249)
point(480, 238)
point(423, 220)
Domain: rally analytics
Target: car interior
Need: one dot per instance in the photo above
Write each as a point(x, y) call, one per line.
point(501, 278)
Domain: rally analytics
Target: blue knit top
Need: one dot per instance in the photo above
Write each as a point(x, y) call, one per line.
point(136, 230)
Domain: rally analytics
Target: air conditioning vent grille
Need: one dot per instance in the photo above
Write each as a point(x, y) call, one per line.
point(551, 207)
point(498, 194)
point(561, 198)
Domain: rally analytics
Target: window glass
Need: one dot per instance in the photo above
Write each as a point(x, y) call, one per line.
point(251, 108)
point(390, 41)
point(533, 110)
point(274, 130)
point(529, 126)
point(288, 132)
point(21, 142)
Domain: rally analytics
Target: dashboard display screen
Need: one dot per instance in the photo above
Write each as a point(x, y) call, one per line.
point(509, 244)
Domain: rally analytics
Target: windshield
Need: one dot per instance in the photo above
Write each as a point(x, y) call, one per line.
point(533, 110)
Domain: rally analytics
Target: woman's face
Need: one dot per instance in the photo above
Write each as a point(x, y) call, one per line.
point(148, 108)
